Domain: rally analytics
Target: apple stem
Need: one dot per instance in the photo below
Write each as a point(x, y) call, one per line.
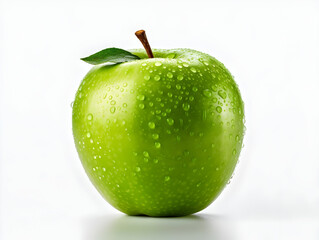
point(141, 35)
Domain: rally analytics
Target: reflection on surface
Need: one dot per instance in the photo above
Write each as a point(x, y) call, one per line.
point(199, 227)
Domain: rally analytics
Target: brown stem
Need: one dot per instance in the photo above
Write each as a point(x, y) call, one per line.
point(141, 35)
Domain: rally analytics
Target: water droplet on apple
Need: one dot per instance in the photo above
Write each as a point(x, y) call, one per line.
point(157, 64)
point(137, 169)
point(180, 77)
point(222, 94)
point(88, 135)
point(207, 93)
point(157, 78)
point(186, 106)
point(217, 169)
point(155, 160)
point(169, 75)
point(234, 152)
point(170, 121)
point(140, 97)
point(178, 86)
point(157, 144)
point(193, 70)
point(72, 104)
point(112, 109)
point(185, 65)
point(113, 102)
point(213, 145)
point(141, 106)
point(151, 125)
point(167, 178)
point(90, 117)
point(214, 87)
point(155, 136)
point(219, 109)
point(147, 77)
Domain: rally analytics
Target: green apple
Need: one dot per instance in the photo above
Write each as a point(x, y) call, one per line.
point(159, 136)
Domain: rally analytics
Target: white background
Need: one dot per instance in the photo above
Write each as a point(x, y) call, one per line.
point(272, 49)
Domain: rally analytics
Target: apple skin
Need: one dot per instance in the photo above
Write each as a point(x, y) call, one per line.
point(159, 136)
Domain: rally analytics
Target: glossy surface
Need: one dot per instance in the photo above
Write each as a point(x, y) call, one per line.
point(162, 136)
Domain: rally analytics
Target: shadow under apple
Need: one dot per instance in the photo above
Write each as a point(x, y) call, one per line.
point(199, 226)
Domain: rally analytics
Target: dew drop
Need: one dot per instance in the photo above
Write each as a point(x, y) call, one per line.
point(185, 65)
point(207, 93)
point(178, 86)
point(167, 178)
point(234, 152)
point(151, 125)
point(146, 154)
point(170, 121)
point(169, 75)
point(214, 87)
point(137, 169)
point(157, 144)
point(219, 109)
point(141, 105)
point(186, 106)
point(193, 70)
point(157, 78)
point(90, 117)
point(112, 109)
point(88, 135)
point(147, 77)
point(180, 77)
point(140, 97)
point(155, 136)
point(222, 94)
point(157, 64)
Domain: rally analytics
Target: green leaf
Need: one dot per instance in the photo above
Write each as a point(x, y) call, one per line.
point(114, 55)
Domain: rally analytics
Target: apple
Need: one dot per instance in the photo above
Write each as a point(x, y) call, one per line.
point(159, 136)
